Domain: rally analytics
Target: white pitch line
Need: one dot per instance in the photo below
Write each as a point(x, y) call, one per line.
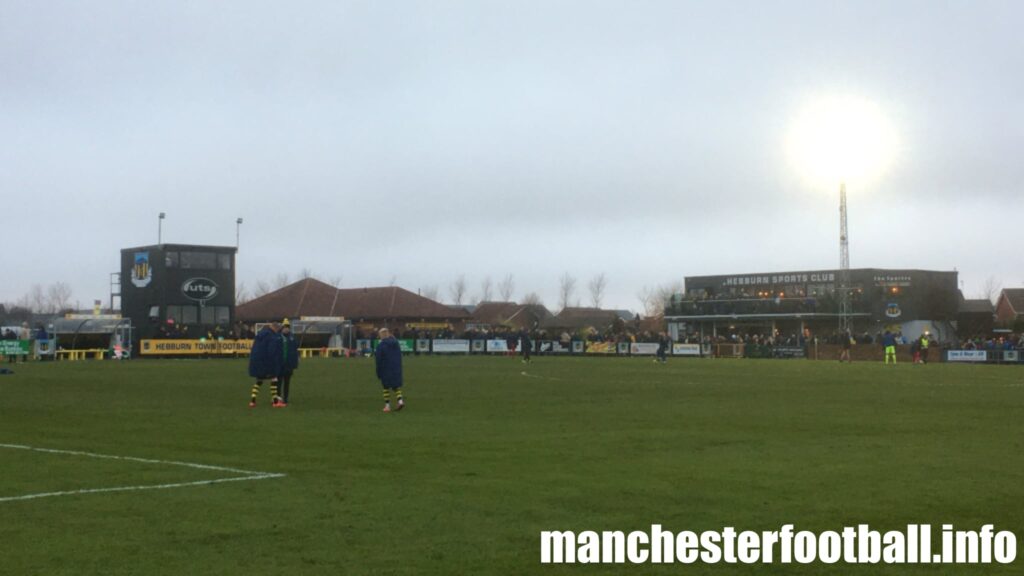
point(524, 373)
point(246, 474)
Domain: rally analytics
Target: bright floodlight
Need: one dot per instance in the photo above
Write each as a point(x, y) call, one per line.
point(841, 139)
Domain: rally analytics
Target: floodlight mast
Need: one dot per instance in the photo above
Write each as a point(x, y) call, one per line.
point(844, 265)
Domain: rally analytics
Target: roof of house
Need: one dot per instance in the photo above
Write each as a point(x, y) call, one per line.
point(976, 306)
point(311, 297)
point(1015, 296)
point(510, 313)
point(576, 318)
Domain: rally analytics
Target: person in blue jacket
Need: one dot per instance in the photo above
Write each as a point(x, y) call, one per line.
point(389, 368)
point(290, 348)
point(266, 360)
point(889, 343)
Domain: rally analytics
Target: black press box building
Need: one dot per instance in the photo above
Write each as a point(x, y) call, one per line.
point(177, 286)
point(910, 301)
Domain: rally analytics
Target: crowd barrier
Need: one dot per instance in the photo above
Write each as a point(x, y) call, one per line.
point(443, 346)
point(542, 347)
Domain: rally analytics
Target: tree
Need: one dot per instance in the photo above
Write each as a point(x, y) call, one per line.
point(566, 289)
point(429, 292)
point(58, 297)
point(655, 299)
point(486, 289)
point(990, 290)
point(241, 294)
point(457, 290)
point(335, 281)
point(532, 299)
point(280, 281)
point(262, 287)
point(597, 286)
point(16, 313)
point(305, 274)
point(506, 287)
point(37, 300)
point(645, 295)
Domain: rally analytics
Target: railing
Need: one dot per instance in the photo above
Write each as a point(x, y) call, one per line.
point(753, 306)
point(82, 354)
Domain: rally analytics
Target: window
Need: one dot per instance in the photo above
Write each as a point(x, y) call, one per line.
point(199, 260)
point(171, 259)
point(223, 314)
point(206, 315)
point(189, 314)
point(174, 313)
point(224, 261)
point(819, 289)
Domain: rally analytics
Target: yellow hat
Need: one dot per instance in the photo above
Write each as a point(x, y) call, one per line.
point(285, 322)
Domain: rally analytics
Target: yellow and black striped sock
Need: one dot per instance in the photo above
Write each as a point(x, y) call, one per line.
point(387, 396)
point(256, 389)
point(398, 395)
point(273, 391)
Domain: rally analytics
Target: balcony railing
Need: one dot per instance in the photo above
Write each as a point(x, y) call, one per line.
point(754, 306)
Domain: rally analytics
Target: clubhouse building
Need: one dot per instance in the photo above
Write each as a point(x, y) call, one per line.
point(909, 301)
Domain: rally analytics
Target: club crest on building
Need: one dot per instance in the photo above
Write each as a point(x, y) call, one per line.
point(893, 310)
point(142, 273)
point(199, 289)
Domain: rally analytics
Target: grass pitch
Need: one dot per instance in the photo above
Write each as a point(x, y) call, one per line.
point(489, 453)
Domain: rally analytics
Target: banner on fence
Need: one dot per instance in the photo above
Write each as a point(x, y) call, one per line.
point(577, 346)
point(553, 347)
point(644, 348)
point(1011, 356)
point(186, 347)
point(423, 345)
point(600, 347)
point(497, 346)
point(789, 352)
point(478, 346)
point(451, 346)
point(15, 347)
point(680, 349)
point(967, 355)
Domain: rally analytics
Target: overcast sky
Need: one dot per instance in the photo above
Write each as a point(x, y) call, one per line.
point(418, 141)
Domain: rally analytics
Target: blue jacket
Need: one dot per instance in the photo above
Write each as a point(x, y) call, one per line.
point(266, 358)
point(888, 340)
point(290, 345)
point(389, 363)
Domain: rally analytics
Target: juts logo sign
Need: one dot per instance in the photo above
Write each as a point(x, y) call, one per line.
point(199, 289)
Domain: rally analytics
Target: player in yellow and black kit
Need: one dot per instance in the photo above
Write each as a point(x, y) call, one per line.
point(266, 360)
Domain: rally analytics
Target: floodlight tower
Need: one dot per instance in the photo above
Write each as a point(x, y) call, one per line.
point(844, 264)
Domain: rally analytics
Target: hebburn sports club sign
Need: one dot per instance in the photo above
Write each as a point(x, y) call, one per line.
point(775, 279)
point(885, 280)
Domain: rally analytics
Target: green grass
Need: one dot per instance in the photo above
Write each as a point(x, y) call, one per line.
point(485, 457)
